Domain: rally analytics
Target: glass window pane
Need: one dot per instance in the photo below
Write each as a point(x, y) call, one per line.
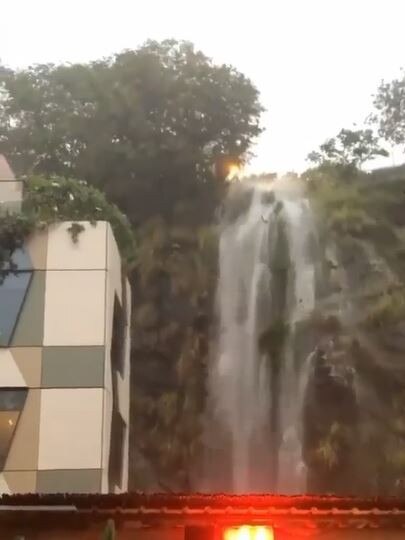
point(8, 423)
point(12, 399)
point(116, 460)
point(118, 337)
point(20, 259)
point(13, 288)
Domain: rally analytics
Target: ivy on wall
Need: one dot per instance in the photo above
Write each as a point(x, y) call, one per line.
point(52, 200)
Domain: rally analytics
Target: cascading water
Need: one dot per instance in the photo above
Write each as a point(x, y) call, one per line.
point(266, 286)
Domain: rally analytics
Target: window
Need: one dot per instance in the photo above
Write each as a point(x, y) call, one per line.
point(12, 402)
point(13, 289)
point(118, 337)
point(118, 428)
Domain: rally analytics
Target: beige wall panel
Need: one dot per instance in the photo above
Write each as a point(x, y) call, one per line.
point(4, 487)
point(10, 374)
point(10, 191)
point(37, 246)
point(21, 481)
point(23, 454)
point(114, 262)
point(88, 253)
point(75, 308)
point(71, 428)
point(29, 360)
point(106, 438)
point(6, 172)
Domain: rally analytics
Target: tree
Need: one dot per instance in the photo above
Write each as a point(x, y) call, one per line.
point(145, 125)
point(349, 147)
point(390, 111)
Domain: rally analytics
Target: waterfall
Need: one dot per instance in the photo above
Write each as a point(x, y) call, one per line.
point(266, 286)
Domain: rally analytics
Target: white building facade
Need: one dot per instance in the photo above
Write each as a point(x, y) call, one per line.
point(64, 361)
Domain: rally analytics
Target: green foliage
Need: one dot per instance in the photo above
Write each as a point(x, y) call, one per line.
point(185, 255)
point(388, 309)
point(146, 125)
point(175, 277)
point(52, 200)
point(349, 148)
point(14, 230)
point(346, 204)
point(328, 451)
point(389, 113)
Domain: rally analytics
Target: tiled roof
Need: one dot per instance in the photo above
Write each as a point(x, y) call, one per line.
point(162, 509)
point(6, 174)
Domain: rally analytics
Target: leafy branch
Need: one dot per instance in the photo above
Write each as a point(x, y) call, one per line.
point(51, 200)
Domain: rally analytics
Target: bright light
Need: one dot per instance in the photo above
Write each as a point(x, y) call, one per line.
point(233, 173)
point(248, 532)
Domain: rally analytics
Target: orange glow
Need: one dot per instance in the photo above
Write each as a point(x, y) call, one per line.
point(249, 532)
point(233, 172)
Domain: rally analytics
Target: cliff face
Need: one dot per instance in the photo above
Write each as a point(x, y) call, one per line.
point(352, 344)
point(354, 411)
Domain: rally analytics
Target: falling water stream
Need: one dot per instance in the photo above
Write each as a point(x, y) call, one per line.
point(265, 273)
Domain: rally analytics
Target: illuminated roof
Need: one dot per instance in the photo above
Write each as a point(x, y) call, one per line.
point(165, 510)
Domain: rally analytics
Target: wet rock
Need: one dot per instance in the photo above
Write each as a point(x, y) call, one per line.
point(330, 419)
point(268, 197)
point(393, 338)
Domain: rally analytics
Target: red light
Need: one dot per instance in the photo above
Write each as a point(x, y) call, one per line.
point(249, 532)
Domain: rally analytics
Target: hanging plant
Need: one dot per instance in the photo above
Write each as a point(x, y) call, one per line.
point(53, 200)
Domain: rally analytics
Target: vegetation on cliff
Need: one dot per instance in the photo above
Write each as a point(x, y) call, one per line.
point(361, 226)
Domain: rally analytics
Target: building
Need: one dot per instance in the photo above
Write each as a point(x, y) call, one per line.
point(64, 360)
point(201, 517)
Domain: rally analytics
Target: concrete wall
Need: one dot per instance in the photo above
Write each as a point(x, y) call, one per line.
point(11, 190)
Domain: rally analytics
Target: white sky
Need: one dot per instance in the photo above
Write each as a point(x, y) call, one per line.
point(315, 62)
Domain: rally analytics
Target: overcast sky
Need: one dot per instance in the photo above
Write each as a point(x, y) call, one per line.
point(315, 62)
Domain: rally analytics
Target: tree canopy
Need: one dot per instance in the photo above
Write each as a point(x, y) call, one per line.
point(349, 148)
point(145, 125)
point(389, 103)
